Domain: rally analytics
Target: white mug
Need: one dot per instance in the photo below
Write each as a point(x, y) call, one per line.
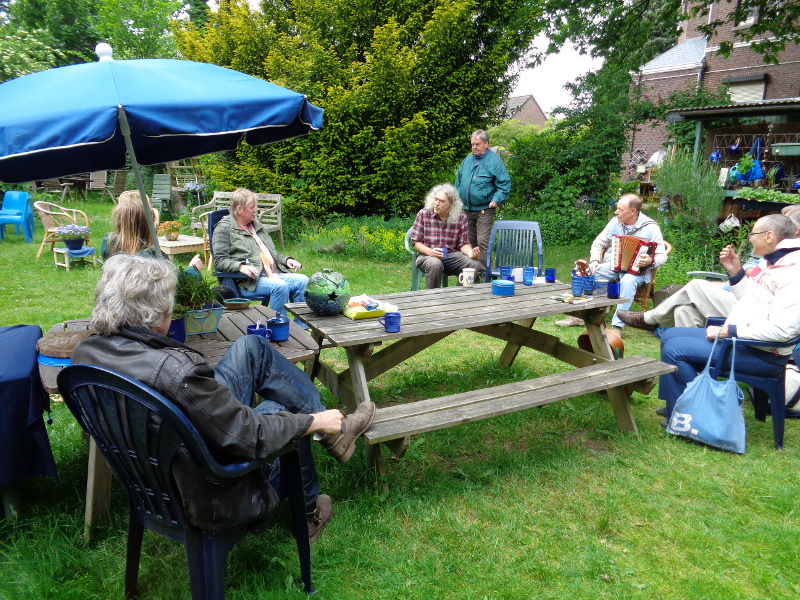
point(517, 273)
point(467, 277)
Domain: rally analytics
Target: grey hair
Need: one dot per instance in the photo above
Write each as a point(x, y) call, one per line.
point(792, 212)
point(480, 133)
point(782, 227)
point(134, 291)
point(455, 200)
point(240, 198)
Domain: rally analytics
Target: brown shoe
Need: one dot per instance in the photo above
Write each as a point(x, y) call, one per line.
point(320, 517)
point(342, 445)
point(635, 319)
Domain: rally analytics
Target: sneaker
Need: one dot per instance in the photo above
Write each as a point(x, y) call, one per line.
point(342, 445)
point(570, 322)
point(661, 411)
point(664, 424)
point(319, 517)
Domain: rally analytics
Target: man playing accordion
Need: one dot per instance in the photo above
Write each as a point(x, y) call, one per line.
point(604, 264)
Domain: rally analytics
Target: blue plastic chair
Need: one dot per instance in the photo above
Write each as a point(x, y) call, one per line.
point(416, 274)
point(17, 211)
point(141, 434)
point(773, 387)
point(225, 278)
point(514, 244)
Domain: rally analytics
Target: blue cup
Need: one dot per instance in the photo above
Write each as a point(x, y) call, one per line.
point(507, 273)
point(278, 328)
point(588, 285)
point(258, 330)
point(390, 322)
point(613, 289)
point(528, 275)
point(601, 287)
point(550, 275)
point(577, 286)
point(444, 250)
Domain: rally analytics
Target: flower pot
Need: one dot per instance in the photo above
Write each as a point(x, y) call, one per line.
point(177, 329)
point(172, 236)
point(204, 320)
point(73, 244)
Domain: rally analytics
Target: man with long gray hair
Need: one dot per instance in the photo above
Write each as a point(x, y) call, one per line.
point(132, 312)
point(440, 237)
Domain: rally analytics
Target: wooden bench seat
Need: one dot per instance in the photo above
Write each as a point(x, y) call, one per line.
point(403, 420)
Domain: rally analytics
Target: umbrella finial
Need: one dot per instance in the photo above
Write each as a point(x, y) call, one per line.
point(103, 51)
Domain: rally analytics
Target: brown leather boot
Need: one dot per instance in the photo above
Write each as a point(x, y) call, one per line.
point(342, 445)
point(319, 517)
point(635, 319)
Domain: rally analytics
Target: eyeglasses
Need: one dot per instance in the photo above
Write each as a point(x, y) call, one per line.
point(752, 233)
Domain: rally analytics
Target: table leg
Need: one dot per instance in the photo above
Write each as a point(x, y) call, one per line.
point(358, 376)
point(617, 397)
point(98, 490)
point(511, 350)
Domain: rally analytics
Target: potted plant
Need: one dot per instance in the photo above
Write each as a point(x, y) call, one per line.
point(72, 235)
point(170, 229)
point(195, 297)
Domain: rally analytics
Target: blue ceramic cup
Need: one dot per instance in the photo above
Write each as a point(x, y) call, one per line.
point(577, 286)
point(444, 250)
point(279, 328)
point(390, 322)
point(258, 330)
point(507, 273)
point(528, 275)
point(613, 289)
point(588, 285)
point(550, 275)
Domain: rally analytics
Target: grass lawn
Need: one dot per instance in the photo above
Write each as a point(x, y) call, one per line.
point(550, 503)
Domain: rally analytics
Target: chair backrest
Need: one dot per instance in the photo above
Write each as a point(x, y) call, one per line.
point(15, 200)
point(407, 243)
point(269, 208)
point(514, 244)
point(120, 182)
point(97, 180)
point(139, 432)
point(213, 218)
point(52, 215)
point(162, 185)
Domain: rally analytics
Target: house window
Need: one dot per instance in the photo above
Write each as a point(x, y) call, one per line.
point(749, 88)
point(750, 18)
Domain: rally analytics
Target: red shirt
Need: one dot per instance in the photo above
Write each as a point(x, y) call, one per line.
point(435, 233)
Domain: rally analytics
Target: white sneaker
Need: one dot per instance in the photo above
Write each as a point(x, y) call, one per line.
point(570, 322)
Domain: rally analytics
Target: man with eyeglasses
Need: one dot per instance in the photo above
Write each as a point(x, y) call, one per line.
point(699, 299)
point(767, 308)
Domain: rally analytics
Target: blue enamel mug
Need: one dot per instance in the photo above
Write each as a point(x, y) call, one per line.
point(279, 328)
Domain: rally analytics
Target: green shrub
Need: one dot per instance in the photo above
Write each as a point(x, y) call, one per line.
point(365, 238)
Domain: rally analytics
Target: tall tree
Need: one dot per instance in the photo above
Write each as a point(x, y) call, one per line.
point(138, 28)
point(402, 85)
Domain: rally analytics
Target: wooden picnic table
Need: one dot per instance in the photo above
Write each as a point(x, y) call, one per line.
point(431, 315)
point(300, 347)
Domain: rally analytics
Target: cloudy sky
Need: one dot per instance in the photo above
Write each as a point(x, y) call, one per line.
point(546, 81)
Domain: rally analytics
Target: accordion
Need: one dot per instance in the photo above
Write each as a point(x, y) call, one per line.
point(627, 249)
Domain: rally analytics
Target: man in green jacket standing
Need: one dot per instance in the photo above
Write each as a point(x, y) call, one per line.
point(483, 184)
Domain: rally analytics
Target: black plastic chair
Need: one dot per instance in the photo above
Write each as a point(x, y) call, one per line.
point(230, 279)
point(514, 244)
point(140, 434)
point(773, 387)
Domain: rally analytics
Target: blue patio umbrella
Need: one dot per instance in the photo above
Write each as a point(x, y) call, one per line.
point(87, 117)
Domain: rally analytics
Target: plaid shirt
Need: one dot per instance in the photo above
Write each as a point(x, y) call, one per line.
point(432, 232)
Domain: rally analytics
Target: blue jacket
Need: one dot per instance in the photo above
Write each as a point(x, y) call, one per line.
point(487, 180)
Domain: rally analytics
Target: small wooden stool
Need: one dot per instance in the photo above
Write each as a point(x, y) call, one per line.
point(66, 256)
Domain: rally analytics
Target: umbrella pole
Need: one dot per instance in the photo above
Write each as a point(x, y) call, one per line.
point(148, 214)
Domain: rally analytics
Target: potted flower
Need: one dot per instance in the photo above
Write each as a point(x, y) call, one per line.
point(170, 229)
point(72, 235)
point(195, 188)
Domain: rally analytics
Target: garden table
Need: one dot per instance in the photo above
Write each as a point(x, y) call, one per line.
point(299, 347)
point(431, 315)
point(184, 244)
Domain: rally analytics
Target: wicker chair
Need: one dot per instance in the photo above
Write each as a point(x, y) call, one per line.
point(52, 216)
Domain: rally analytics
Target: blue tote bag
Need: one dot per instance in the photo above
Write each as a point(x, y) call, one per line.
point(710, 411)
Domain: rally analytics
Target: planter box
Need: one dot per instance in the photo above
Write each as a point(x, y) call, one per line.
point(204, 320)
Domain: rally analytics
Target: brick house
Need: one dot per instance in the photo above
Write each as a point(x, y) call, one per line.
point(693, 62)
point(525, 109)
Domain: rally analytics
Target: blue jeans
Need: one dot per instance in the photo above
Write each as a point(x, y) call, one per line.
point(628, 284)
point(251, 366)
point(280, 289)
point(688, 348)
